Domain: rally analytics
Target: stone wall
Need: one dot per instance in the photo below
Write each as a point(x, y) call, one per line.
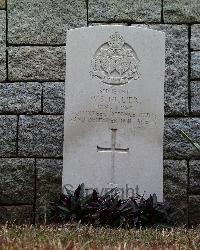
point(32, 73)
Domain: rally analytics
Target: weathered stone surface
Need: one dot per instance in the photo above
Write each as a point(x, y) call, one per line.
point(175, 188)
point(102, 121)
point(49, 187)
point(195, 36)
point(2, 4)
point(96, 24)
point(8, 135)
point(54, 98)
point(2, 45)
point(195, 65)
point(176, 68)
point(16, 214)
point(36, 63)
point(184, 11)
point(2, 64)
point(2, 27)
point(175, 147)
point(20, 98)
point(194, 210)
point(127, 10)
point(194, 177)
point(195, 98)
point(16, 181)
point(41, 135)
point(44, 22)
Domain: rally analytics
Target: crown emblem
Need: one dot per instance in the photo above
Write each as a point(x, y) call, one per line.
point(115, 62)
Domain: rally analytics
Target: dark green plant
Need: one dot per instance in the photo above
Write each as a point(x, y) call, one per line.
point(186, 137)
point(112, 211)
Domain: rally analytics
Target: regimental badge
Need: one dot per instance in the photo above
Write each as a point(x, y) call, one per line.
point(115, 62)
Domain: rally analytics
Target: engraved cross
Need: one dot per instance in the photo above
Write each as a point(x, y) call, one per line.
point(113, 149)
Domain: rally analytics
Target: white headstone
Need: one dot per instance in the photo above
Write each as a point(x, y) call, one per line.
point(114, 109)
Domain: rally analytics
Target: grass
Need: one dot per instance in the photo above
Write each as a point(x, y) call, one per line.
point(85, 237)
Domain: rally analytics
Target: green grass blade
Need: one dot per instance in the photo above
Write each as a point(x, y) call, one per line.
point(185, 136)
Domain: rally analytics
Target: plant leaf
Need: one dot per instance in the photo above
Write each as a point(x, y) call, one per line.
point(185, 136)
point(67, 190)
point(64, 209)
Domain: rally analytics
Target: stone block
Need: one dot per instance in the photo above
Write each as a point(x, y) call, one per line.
point(8, 135)
point(175, 188)
point(49, 187)
point(195, 65)
point(16, 215)
point(195, 36)
point(184, 11)
point(54, 98)
point(127, 10)
point(195, 97)
point(176, 70)
point(194, 210)
point(2, 27)
point(194, 175)
point(36, 63)
point(2, 45)
point(20, 98)
point(41, 136)
point(2, 64)
point(176, 147)
point(16, 181)
point(96, 24)
point(176, 67)
point(44, 22)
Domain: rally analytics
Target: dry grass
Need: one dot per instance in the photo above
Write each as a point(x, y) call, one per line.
point(85, 237)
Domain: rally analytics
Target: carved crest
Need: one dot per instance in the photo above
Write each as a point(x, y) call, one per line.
point(115, 62)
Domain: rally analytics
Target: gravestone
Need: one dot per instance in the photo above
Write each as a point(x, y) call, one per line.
point(114, 109)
